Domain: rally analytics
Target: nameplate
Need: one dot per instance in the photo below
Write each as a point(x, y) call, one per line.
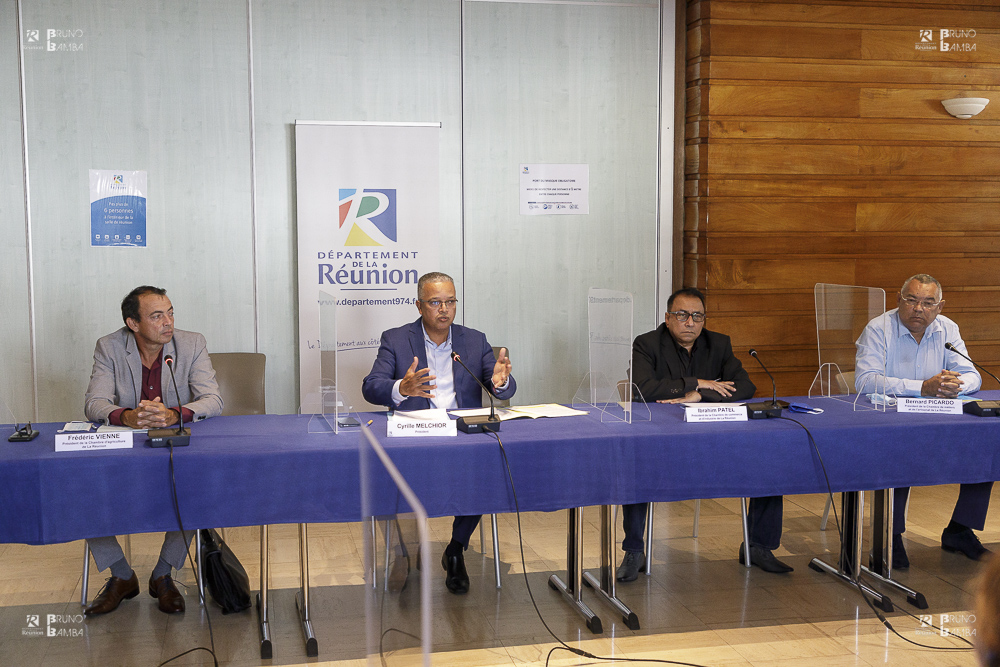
point(400, 426)
point(938, 406)
point(715, 413)
point(85, 442)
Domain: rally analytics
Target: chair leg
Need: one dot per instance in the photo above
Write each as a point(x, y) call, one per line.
point(496, 547)
point(649, 537)
point(697, 516)
point(86, 574)
point(746, 533)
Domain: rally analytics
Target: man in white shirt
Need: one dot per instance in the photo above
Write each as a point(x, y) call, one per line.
point(908, 345)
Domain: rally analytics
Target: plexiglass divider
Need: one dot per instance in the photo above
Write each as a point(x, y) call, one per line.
point(330, 408)
point(607, 386)
point(397, 612)
point(842, 312)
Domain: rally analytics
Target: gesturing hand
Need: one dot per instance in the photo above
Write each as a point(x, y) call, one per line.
point(417, 383)
point(501, 369)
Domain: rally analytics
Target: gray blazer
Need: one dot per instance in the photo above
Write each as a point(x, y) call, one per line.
point(116, 381)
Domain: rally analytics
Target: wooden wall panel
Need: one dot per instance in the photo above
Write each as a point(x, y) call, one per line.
point(925, 217)
point(817, 150)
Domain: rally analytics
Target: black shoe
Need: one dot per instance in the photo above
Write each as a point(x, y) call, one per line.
point(457, 579)
point(631, 564)
point(765, 560)
point(966, 542)
point(112, 594)
point(899, 558)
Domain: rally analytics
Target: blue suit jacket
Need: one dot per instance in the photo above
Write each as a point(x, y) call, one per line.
point(395, 354)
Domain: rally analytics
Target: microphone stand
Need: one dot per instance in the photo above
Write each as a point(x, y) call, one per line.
point(979, 408)
point(481, 423)
point(168, 437)
point(765, 410)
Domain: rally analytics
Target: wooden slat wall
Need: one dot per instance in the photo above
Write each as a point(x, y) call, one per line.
point(817, 150)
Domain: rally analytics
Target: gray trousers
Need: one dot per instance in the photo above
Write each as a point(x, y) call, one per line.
point(106, 550)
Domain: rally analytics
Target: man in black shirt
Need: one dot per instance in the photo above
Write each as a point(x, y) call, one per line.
point(682, 362)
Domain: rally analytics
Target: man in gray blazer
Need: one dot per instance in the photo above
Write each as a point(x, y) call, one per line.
point(130, 386)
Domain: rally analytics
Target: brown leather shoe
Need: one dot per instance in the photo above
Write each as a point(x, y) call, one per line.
point(114, 591)
point(166, 593)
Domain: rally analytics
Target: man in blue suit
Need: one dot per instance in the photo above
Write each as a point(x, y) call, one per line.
point(414, 370)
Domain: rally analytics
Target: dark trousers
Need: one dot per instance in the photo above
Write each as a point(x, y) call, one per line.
point(463, 527)
point(970, 509)
point(763, 521)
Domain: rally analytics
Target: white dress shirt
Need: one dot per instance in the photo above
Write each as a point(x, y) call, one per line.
point(440, 364)
point(886, 345)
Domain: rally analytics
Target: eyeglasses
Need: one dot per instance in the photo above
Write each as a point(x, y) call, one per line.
point(927, 304)
point(435, 304)
point(683, 315)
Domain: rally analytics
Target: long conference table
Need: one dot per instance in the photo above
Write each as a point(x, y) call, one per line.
point(270, 469)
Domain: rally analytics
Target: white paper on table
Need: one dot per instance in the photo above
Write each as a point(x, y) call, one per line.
point(75, 427)
point(523, 412)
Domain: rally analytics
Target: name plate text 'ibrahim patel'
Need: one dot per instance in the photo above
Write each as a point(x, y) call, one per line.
point(85, 442)
point(938, 406)
point(714, 412)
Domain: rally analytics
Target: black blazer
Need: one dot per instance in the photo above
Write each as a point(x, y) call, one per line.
point(657, 369)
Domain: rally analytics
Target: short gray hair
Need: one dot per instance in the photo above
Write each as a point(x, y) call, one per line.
point(432, 277)
point(923, 279)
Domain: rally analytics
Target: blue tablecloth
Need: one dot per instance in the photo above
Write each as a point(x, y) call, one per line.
point(270, 469)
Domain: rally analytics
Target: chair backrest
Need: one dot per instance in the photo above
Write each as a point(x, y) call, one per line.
point(241, 382)
point(496, 401)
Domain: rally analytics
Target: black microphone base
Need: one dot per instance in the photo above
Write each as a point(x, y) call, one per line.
point(766, 410)
point(982, 408)
point(478, 424)
point(23, 435)
point(166, 437)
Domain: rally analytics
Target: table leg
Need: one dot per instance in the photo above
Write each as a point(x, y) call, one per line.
point(262, 623)
point(606, 586)
point(572, 592)
point(848, 567)
point(302, 596)
point(880, 565)
point(200, 574)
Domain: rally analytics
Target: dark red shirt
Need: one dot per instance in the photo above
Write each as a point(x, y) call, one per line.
point(150, 392)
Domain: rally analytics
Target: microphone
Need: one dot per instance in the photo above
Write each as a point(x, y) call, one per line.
point(167, 437)
point(979, 408)
point(481, 423)
point(21, 433)
point(765, 410)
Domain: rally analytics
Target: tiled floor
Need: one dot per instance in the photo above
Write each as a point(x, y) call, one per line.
point(698, 606)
